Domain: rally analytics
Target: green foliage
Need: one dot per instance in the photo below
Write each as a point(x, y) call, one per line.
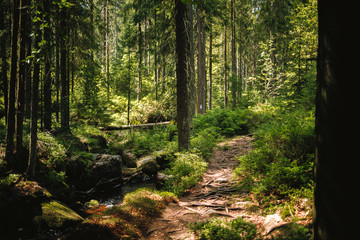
point(218, 229)
point(8, 180)
point(147, 201)
point(294, 232)
point(223, 122)
point(52, 153)
point(186, 170)
point(283, 156)
point(146, 141)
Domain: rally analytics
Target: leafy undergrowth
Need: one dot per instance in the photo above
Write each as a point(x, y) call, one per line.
point(127, 221)
point(240, 229)
point(217, 229)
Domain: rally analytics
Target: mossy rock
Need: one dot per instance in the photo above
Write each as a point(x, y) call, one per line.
point(92, 203)
point(57, 215)
point(151, 168)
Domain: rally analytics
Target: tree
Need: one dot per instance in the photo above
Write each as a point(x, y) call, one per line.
point(47, 59)
point(35, 97)
point(182, 48)
point(201, 81)
point(10, 128)
point(336, 164)
point(65, 118)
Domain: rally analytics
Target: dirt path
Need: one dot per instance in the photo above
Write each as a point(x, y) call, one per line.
point(214, 196)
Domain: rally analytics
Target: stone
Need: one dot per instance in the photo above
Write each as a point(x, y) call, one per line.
point(151, 168)
point(272, 222)
point(92, 203)
point(106, 166)
point(129, 159)
point(57, 215)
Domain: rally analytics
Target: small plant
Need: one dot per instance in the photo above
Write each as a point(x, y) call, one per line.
point(218, 229)
point(186, 170)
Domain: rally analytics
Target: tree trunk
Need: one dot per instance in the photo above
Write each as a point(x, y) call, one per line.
point(24, 71)
point(234, 80)
point(225, 70)
point(191, 65)
point(63, 71)
point(4, 63)
point(34, 105)
point(201, 83)
point(182, 48)
point(336, 163)
point(47, 76)
point(140, 57)
point(10, 127)
point(210, 69)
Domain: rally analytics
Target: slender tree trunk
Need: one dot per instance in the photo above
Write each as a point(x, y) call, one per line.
point(63, 72)
point(191, 64)
point(47, 76)
point(4, 64)
point(234, 79)
point(57, 65)
point(225, 71)
point(182, 48)
point(336, 162)
point(201, 84)
point(25, 39)
point(34, 105)
point(10, 128)
point(210, 69)
point(106, 52)
point(140, 57)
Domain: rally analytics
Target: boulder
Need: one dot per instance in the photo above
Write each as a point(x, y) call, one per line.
point(57, 215)
point(129, 159)
point(150, 168)
point(106, 166)
point(272, 222)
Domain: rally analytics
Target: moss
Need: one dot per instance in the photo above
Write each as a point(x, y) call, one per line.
point(57, 215)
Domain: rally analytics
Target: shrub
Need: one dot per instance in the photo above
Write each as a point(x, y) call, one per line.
point(186, 170)
point(224, 122)
point(283, 156)
point(217, 229)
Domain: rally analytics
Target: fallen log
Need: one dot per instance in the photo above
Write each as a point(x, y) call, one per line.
point(126, 127)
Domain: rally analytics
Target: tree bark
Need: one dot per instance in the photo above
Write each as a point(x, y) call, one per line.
point(201, 83)
point(210, 69)
point(191, 63)
point(24, 72)
point(182, 45)
point(47, 76)
point(63, 71)
point(10, 127)
point(234, 78)
point(225, 70)
point(336, 163)
point(34, 105)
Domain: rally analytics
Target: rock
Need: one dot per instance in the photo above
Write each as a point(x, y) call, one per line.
point(92, 203)
point(106, 166)
point(163, 159)
point(150, 168)
point(57, 215)
point(272, 222)
point(129, 159)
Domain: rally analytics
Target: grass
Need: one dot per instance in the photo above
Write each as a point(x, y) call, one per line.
point(128, 221)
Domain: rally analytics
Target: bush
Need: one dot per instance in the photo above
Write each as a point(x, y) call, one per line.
point(217, 229)
point(223, 122)
point(283, 156)
point(186, 170)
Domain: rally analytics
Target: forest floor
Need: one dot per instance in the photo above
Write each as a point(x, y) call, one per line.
point(215, 196)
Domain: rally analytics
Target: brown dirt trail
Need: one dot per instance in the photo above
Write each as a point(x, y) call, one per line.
point(214, 196)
